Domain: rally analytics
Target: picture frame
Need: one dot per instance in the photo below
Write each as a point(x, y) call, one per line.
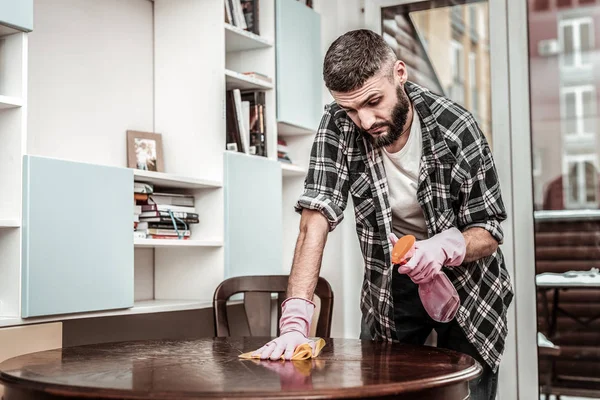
point(145, 151)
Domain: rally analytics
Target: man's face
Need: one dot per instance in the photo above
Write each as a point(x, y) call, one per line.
point(379, 108)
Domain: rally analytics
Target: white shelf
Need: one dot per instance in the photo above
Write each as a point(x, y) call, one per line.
point(150, 306)
point(237, 39)
point(10, 102)
point(139, 307)
point(236, 80)
point(165, 180)
point(154, 243)
point(292, 170)
point(286, 129)
point(9, 223)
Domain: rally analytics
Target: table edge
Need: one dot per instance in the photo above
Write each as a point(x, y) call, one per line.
point(24, 384)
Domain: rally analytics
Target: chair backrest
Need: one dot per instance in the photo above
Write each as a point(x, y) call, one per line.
point(257, 292)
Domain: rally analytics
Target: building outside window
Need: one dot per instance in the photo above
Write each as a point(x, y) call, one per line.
point(576, 37)
point(578, 104)
point(581, 186)
point(457, 68)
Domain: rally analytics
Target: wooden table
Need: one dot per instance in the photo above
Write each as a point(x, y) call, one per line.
point(210, 368)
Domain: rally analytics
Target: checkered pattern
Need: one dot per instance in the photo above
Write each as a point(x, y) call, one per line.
point(458, 186)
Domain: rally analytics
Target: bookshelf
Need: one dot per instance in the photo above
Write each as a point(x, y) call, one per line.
point(178, 62)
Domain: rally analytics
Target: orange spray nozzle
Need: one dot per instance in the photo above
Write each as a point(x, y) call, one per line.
point(401, 248)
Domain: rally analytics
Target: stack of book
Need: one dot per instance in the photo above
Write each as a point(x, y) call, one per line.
point(163, 215)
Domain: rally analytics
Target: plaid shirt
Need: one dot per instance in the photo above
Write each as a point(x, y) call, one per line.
point(457, 186)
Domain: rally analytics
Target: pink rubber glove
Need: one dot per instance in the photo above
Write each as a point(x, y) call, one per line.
point(447, 248)
point(294, 325)
point(438, 295)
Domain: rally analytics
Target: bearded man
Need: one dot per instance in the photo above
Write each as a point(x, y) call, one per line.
point(414, 163)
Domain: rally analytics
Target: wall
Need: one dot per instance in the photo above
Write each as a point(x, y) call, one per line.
point(343, 264)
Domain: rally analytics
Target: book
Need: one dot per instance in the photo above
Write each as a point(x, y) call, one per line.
point(162, 225)
point(259, 76)
point(239, 115)
point(165, 219)
point(258, 129)
point(165, 232)
point(233, 135)
point(251, 15)
point(149, 216)
point(172, 199)
point(143, 187)
point(167, 207)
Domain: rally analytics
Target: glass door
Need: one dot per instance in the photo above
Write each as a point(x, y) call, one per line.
point(564, 85)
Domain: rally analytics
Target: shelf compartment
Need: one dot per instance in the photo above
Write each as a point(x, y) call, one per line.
point(10, 102)
point(237, 80)
point(285, 129)
point(157, 243)
point(237, 39)
point(165, 180)
point(292, 170)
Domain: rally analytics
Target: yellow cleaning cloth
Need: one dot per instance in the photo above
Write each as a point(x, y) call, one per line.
point(302, 352)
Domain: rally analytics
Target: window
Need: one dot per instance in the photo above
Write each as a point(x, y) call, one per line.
point(473, 82)
point(578, 104)
point(580, 187)
point(576, 36)
point(457, 68)
point(473, 21)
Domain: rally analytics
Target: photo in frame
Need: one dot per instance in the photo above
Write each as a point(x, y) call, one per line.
point(145, 151)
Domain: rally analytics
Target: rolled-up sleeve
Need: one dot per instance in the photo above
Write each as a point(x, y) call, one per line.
point(482, 204)
point(326, 184)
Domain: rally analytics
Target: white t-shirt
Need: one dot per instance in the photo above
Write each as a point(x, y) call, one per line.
point(402, 170)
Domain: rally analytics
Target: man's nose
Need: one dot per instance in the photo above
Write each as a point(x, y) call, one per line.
point(367, 119)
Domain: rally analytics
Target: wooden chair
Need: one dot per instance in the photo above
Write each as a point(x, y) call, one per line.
point(257, 292)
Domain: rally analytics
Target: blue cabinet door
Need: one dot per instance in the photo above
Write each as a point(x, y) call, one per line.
point(17, 14)
point(253, 216)
point(299, 64)
point(77, 237)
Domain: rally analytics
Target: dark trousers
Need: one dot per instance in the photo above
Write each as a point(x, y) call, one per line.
point(414, 325)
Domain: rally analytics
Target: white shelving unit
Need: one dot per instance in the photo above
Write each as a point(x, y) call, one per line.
point(174, 68)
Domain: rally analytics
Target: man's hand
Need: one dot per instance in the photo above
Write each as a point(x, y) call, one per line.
point(284, 344)
point(294, 326)
point(447, 248)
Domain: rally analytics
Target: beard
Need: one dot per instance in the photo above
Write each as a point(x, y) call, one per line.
point(395, 126)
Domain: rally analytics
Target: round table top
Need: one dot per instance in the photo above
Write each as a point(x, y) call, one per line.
point(210, 367)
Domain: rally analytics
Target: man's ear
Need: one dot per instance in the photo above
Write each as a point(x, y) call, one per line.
point(400, 71)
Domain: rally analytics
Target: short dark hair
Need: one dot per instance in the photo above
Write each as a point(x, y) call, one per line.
point(355, 57)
